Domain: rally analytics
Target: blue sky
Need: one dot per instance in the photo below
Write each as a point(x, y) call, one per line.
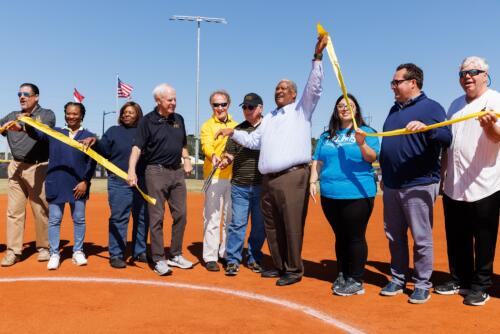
point(60, 45)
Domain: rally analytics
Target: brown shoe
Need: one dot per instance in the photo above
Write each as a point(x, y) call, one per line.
point(10, 258)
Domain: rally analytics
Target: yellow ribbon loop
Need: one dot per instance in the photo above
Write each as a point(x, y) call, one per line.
point(336, 68)
point(400, 132)
point(90, 152)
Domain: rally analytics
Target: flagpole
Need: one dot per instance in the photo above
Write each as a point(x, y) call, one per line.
point(116, 93)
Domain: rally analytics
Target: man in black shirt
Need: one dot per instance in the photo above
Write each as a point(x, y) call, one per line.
point(161, 139)
point(26, 176)
point(245, 193)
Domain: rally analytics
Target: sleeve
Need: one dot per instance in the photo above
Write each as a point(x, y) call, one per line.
point(207, 140)
point(440, 135)
point(184, 140)
point(373, 142)
point(312, 90)
point(319, 145)
point(231, 147)
point(91, 164)
point(104, 145)
point(142, 135)
point(251, 140)
point(35, 134)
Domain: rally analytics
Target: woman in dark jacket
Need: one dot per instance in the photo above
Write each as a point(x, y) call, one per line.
point(68, 181)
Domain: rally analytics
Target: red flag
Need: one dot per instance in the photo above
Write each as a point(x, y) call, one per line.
point(78, 97)
point(124, 90)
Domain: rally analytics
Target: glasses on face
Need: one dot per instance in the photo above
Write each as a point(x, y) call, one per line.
point(341, 106)
point(472, 73)
point(248, 107)
point(217, 105)
point(25, 94)
point(396, 83)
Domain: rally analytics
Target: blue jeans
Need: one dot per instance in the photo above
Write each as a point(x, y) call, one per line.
point(56, 211)
point(122, 200)
point(245, 201)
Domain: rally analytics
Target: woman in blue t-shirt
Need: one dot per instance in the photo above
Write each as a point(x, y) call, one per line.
point(342, 163)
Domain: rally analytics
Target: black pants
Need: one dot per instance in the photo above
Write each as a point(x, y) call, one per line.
point(348, 219)
point(471, 236)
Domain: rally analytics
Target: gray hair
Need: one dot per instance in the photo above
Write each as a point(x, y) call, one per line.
point(220, 92)
point(291, 83)
point(162, 88)
point(479, 62)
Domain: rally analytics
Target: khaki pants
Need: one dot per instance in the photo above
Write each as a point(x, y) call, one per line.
point(26, 182)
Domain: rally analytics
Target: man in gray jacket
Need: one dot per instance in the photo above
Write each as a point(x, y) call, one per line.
point(26, 174)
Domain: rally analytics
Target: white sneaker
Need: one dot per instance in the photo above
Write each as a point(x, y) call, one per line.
point(53, 262)
point(79, 258)
point(180, 262)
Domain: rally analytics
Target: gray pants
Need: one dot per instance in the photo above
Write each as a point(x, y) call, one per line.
point(166, 185)
point(410, 208)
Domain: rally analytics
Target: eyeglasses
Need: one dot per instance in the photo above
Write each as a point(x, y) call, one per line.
point(25, 94)
point(248, 107)
point(396, 83)
point(217, 105)
point(344, 106)
point(472, 73)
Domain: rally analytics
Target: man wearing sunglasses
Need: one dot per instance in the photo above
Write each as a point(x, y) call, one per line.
point(284, 140)
point(218, 192)
point(245, 193)
point(26, 174)
point(471, 197)
point(411, 175)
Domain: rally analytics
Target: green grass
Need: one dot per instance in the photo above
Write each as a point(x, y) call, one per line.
point(100, 185)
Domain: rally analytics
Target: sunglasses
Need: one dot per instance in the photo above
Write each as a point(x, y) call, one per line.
point(25, 94)
point(472, 73)
point(344, 106)
point(396, 83)
point(217, 105)
point(248, 107)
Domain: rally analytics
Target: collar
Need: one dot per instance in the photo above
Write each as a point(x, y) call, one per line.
point(228, 119)
point(411, 101)
point(71, 131)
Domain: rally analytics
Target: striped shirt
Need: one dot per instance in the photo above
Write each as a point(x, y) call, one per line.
point(246, 161)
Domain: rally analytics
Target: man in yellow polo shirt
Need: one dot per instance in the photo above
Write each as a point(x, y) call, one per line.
point(218, 193)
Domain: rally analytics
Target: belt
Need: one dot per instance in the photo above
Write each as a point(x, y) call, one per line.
point(288, 170)
point(29, 161)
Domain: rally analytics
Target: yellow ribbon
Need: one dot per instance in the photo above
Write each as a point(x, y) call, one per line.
point(336, 68)
point(90, 152)
point(400, 132)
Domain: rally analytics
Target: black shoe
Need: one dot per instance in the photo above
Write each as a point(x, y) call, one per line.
point(255, 267)
point(271, 273)
point(117, 262)
point(141, 258)
point(288, 279)
point(232, 269)
point(476, 298)
point(212, 266)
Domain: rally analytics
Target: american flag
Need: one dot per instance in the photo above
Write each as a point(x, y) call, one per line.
point(124, 90)
point(77, 96)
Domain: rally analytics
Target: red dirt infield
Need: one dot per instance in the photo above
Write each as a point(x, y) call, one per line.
point(202, 305)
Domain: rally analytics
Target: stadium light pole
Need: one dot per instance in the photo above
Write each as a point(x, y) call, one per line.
point(104, 113)
point(198, 20)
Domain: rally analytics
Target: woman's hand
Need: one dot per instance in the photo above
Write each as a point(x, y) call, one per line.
point(360, 136)
point(80, 190)
point(313, 191)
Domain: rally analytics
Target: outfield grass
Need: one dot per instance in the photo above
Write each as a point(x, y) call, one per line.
point(100, 185)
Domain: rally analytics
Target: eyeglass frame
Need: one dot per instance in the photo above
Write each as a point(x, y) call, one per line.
point(217, 105)
point(472, 73)
point(396, 83)
point(25, 94)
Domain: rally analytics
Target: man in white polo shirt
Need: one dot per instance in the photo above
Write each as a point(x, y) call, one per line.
point(472, 186)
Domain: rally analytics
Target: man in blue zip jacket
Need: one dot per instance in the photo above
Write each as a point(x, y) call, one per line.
point(411, 174)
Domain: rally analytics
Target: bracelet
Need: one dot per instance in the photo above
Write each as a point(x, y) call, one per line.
point(313, 182)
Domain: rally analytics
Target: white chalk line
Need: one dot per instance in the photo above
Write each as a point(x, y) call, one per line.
point(242, 294)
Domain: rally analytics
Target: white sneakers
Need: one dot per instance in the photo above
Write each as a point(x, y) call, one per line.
point(180, 262)
point(53, 262)
point(79, 258)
